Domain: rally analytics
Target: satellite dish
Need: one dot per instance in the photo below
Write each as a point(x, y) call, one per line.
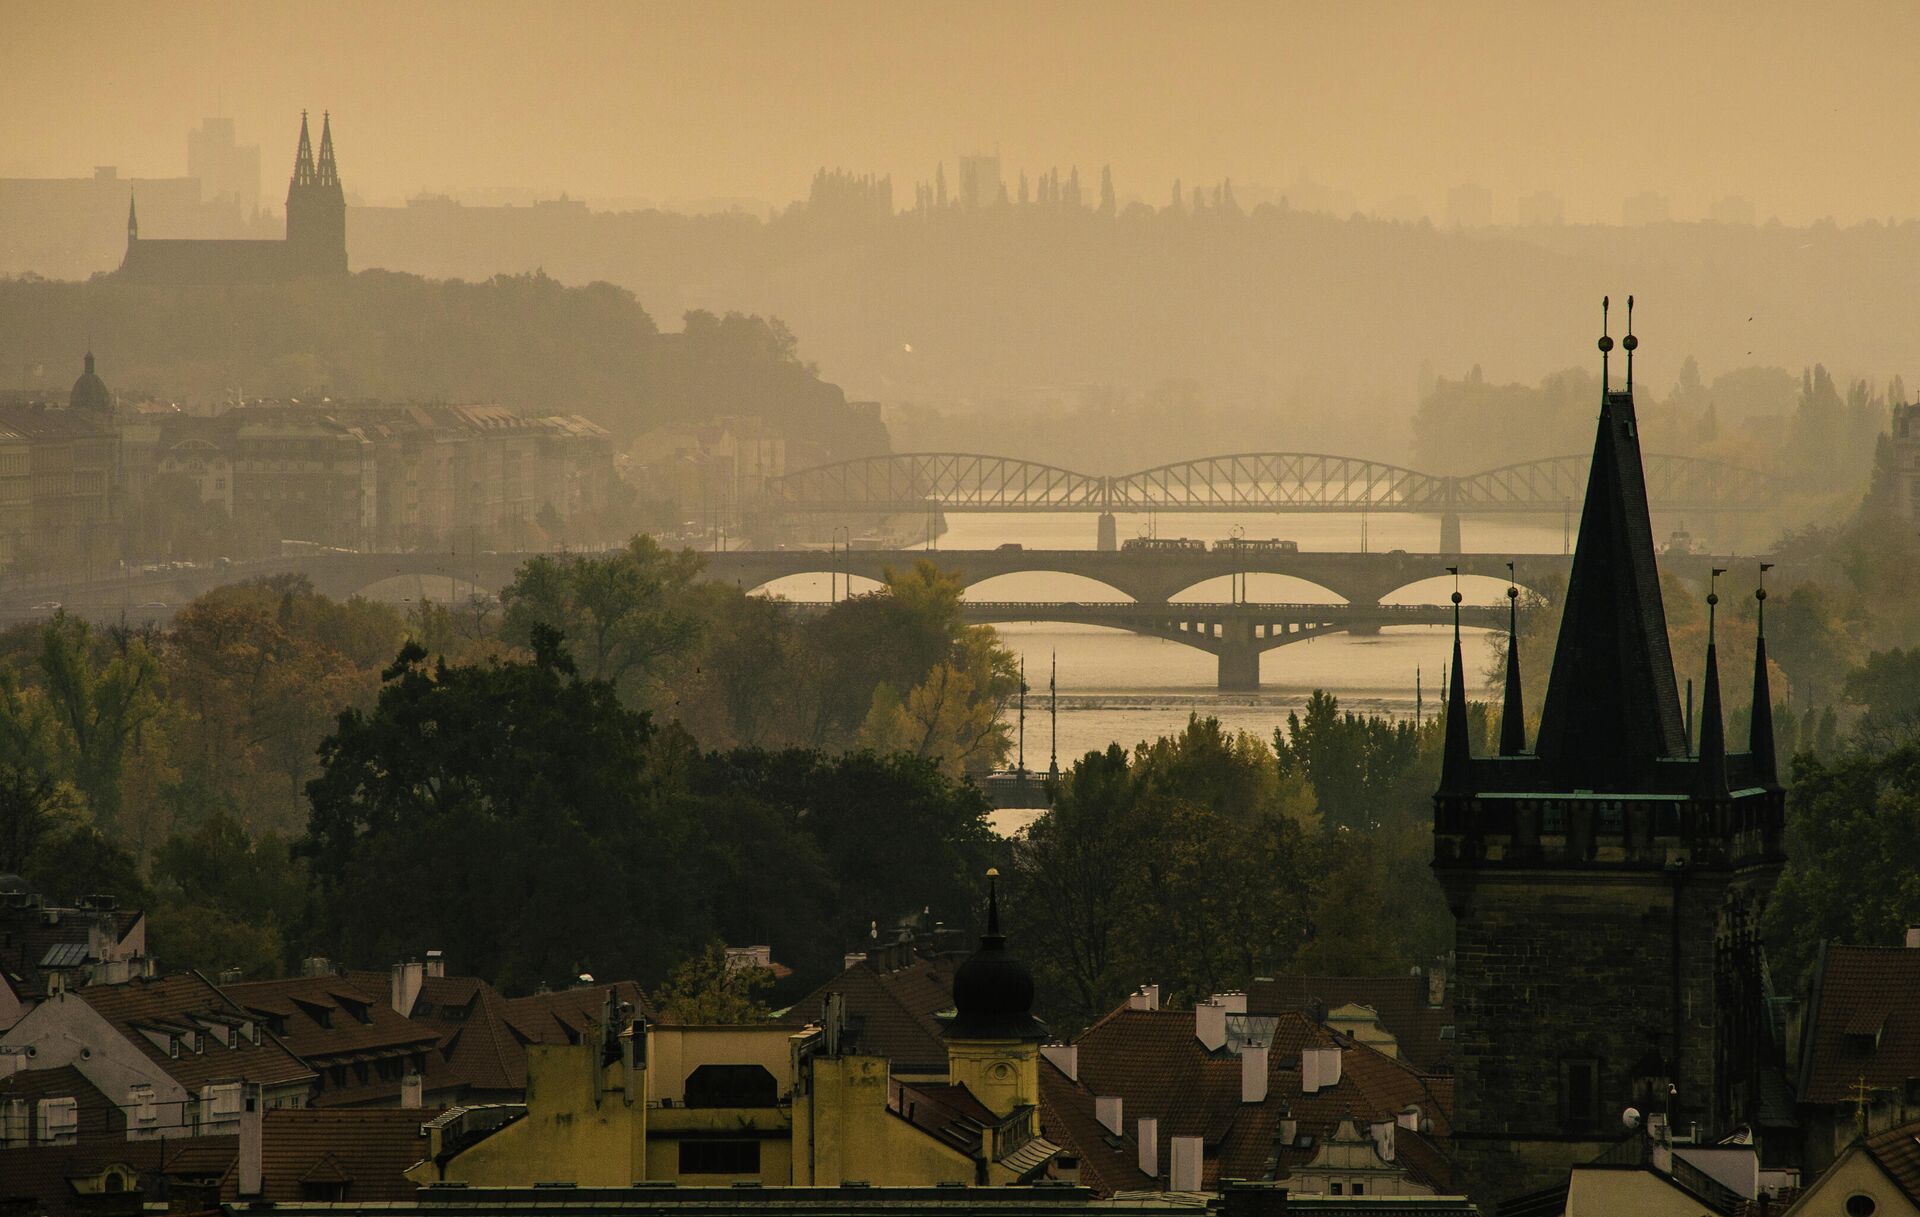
point(1631, 1117)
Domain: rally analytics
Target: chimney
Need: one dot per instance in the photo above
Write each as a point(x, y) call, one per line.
point(1382, 1131)
point(315, 965)
point(1210, 1024)
point(852, 959)
point(1437, 985)
point(1233, 1001)
point(1065, 1058)
point(1913, 937)
point(412, 1090)
point(1187, 1158)
point(1146, 1132)
point(1147, 997)
point(436, 963)
point(1253, 1073)
point(253, 1116)
point(407, 978)
point(1289, 1131)
point(1319, 1069)
point(1106, 1109)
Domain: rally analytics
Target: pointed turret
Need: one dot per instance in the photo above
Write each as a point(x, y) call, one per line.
point(1513, 723)
point(329, 173)
point(133, 220)
point(1456, 761)
point(1612, 708)
point(1713, 732)
point(1760, 731)
point(303, 173)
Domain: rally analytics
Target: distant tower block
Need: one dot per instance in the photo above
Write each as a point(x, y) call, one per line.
point(1450, 532)
point(1109, 533)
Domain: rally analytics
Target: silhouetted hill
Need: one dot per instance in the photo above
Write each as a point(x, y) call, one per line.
point(525, 341)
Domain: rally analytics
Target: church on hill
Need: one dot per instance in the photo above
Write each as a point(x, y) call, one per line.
point(315, 244)
point(1606, 882)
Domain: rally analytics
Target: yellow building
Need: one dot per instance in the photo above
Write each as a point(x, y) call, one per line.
point(765, 1103)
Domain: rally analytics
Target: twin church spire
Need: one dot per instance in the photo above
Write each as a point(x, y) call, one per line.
point(1612, 709)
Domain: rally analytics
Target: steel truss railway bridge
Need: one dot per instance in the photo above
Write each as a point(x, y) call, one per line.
point(926, 482)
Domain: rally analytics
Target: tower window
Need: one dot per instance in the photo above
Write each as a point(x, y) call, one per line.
point(1579, 1094)
point(720, 1157)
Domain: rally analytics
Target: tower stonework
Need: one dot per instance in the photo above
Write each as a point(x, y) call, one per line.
point(1605, 885)
point(316, 207)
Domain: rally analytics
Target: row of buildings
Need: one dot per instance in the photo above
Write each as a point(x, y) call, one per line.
point(78, 477)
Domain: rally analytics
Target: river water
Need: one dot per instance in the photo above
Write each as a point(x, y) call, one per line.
point(1120, 687)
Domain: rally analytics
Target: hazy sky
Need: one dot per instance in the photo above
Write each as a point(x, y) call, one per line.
point(1806, 109)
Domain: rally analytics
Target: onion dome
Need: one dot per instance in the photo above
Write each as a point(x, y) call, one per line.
point(993, 990)
point(90, 392)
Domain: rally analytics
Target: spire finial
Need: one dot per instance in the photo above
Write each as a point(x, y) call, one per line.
point(1760, 722)
point(1513, 726)
point(1458, 755)
point(1629, 344)
point(1713, 740)
point(1606, 346)
point(993, 902)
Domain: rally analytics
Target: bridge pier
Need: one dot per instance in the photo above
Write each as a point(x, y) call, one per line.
point(1109, 534)
point(1239, 657)
point(1450, 532)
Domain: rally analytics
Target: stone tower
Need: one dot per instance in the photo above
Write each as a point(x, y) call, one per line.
point(316, 207)
point(1604, 883)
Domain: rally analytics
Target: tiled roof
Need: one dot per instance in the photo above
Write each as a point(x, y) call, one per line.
point(1865, 1022)
point(367, 1148)
point(891, 1011)
point(949, 1114)
point(1400, 1001)
point(41, 1173)
point(1151, 1061)
point(1897, 1150)
point(29, 936)
point(564, 1016)
point(175, 1001)
point(1108, 1163)
point(332, 1016)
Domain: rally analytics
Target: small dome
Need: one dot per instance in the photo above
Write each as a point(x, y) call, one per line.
point(993, 990)
point(90, 392)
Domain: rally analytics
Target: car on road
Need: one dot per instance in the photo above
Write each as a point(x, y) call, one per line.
point(1011, 547)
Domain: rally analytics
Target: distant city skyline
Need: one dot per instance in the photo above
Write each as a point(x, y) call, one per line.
point(744, 102)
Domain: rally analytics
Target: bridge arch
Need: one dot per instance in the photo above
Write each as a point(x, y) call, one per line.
point(1674, 483)
point(1262, 586)
point(1089, 589)
point(1480, 589)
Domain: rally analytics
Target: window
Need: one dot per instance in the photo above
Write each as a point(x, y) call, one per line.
point(220, 1103)
point(142, 1110)
point(1359, 1189)
point(731, 1086)
point(720, 1157)
point(1860, 1205)
point(59, 1121)
point(332, 1191)
point(13, 1123)
point(1334, 1188)
point(1579, 1094)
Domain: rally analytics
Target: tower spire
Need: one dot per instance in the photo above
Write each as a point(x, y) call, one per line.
point(133, 220)
point(328, 172)
point(1760, 729)
point(303, 158)
point(1629, 344)
point(1612, 707)
point(1713, 739)
point(1606, 342)
point(1457, 759)
point(1513, 726)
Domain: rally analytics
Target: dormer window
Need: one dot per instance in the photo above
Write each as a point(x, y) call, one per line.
point(59, 1121)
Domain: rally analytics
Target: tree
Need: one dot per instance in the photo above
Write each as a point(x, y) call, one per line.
point(1888, 686)
point(1853, 825)
point(511, 812)
point(709, 988)
point(100, 708)
point(227, 900)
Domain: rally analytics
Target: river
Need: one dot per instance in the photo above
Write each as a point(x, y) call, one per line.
point(1116, 687)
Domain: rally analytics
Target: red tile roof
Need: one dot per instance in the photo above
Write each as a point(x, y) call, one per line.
point(368, 1149)
point(1400, 1001)
point(98, 1115)
point(563, 1017)
point(189, 1002)
point(1109, 1163)
point(329, 1017)
point(1864, 1022)
point(1151, 1061)
point(891, 1011)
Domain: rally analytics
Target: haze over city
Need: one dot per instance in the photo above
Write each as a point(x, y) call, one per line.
point(840, 609)
point(1773, 102)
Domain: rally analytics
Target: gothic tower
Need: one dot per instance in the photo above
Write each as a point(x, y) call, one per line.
point(316, 207)
point(1604, 885)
